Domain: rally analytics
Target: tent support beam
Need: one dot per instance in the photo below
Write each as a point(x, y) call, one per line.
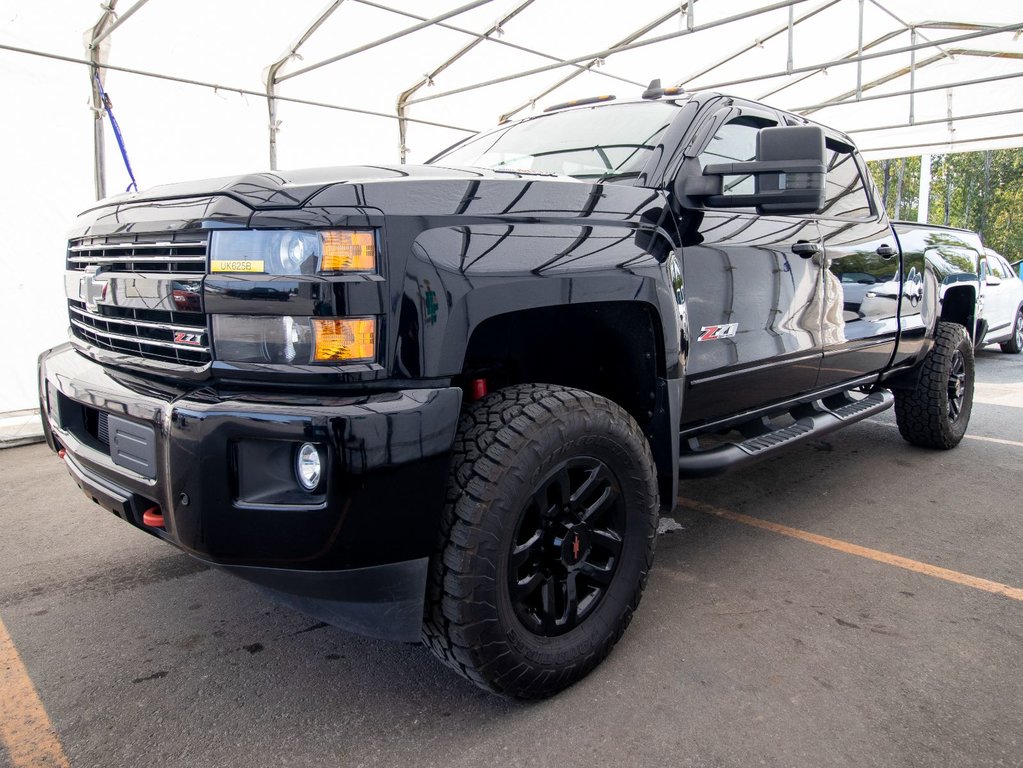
point(791, 27)
point(807, 75)
point(118, 22)
point(956, 146)
point(428, 79)
point(760, 41)
point(271, 75)
point(893, 94)
point(96, 61)
point(228, 88)
point(386, 39)
point(495, 40)
point(865, 57)
point(607, 51)
point(859, 55)
point(597, 62)
point(938, 57)
point(935, 121)
point(912, 77)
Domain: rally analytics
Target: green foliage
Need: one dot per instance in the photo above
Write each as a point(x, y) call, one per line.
point(982, 191)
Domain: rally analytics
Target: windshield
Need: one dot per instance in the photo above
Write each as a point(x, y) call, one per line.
point(606, 142)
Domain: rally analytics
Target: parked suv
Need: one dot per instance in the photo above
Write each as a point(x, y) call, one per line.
point(1003, 303)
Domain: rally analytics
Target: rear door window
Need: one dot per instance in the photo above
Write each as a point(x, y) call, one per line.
point(846, 195)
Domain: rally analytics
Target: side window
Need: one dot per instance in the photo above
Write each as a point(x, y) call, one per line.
point(996, 268)
point(734, 142)
point(846, 197)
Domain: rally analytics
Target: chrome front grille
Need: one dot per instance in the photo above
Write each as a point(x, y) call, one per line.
point(140, 298)
point(176, 256)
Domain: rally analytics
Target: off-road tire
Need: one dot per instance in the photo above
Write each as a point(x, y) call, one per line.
point(927, 415)
point(507, 445)
point(1015, 343)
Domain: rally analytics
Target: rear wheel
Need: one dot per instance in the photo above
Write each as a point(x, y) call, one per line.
point(936, 412)
point(547, 539)
point(1015, 344)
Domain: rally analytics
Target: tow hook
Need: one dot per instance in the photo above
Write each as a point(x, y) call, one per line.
point(153, 517)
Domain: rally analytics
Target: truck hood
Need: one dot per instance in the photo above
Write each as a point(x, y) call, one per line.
point(291, 189)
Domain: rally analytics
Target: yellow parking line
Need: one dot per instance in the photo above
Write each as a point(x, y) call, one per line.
point(25, 728)
point(854, 549)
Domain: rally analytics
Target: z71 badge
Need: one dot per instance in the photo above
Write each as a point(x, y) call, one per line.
point(715, 332)
point(192, 339)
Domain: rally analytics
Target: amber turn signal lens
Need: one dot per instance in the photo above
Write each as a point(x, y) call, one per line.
point(348, 250)
point(344, 340)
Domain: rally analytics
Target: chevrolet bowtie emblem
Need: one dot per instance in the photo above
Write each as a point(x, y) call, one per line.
point(93, 289)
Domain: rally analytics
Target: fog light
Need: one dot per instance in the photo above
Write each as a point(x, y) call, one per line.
point(307, 466)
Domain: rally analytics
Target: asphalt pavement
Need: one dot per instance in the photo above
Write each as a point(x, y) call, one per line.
point(751, 647)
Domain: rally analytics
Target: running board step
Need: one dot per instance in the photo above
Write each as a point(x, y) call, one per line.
point(812, 420)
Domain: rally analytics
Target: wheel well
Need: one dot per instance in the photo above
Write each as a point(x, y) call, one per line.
point(613, 349)
point(959, 305)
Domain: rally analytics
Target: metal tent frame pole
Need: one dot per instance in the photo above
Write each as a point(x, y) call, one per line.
point(793, 22)
point(914, 67)
point(270, 77)
point(96, 59)
point(494, 40)
point(603, 54)
point(588, 67)
point(108, 22)
point(867, 56)
point(428, 78)
point(386, 39)
point(228, 88)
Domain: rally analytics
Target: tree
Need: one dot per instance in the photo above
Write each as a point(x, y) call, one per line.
point(981, 191)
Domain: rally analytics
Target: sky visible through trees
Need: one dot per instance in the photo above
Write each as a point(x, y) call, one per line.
point(982, 191)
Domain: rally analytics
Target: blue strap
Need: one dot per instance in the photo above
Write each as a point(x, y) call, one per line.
point(117, 133)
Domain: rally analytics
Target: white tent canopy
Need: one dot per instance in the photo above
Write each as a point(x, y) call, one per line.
point(189, 80)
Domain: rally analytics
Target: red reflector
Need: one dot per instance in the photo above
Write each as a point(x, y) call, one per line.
point(153, 518)
point(62, 453)
point(477, 389)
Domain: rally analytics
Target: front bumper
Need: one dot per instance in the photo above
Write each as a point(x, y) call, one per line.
point(354, 553)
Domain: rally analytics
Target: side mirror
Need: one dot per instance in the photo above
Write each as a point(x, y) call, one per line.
point(789, 174)
point(992, 280)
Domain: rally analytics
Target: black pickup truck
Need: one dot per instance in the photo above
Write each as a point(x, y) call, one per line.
point(449, 401)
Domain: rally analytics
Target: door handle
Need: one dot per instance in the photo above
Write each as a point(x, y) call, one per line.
point(885, 251)
point(806, 249)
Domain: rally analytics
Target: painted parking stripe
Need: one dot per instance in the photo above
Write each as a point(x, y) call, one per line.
point(25, 728)
point(1010, 395)
point(855, 549)
point(999, 440)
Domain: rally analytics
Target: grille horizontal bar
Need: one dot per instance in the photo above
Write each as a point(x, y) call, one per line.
point(179, 255)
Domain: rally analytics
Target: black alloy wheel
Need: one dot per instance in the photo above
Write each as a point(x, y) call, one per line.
point(956, 385)
point(566, 546)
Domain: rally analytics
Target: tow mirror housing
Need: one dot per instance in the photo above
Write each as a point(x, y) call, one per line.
point(789, 174)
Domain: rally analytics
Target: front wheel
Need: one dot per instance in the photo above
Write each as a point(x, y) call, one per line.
point(936, 412)
point(1015, 344)
point(547, 539)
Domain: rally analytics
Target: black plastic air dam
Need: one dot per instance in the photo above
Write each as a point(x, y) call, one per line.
point(819, 421)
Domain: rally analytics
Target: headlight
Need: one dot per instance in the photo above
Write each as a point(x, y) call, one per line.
point(293, 251)
point(298, 340)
